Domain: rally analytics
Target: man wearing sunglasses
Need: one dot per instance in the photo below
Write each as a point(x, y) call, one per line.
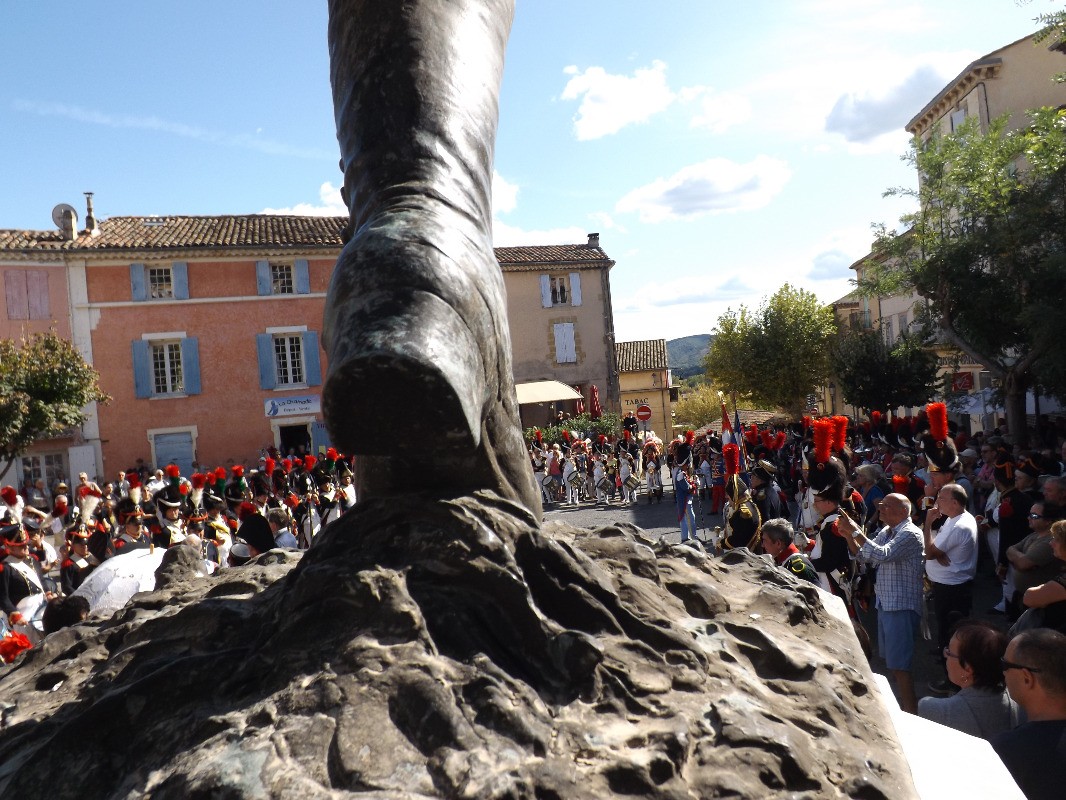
point(1034, 668)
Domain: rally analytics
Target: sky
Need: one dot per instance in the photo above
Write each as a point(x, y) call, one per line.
point(719, 149)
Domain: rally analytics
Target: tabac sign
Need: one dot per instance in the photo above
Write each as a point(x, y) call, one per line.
point(292, 406)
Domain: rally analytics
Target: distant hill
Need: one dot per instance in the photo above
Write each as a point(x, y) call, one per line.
point(686, 354)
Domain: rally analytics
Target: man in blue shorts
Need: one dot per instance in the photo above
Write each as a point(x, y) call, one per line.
point(899, 553)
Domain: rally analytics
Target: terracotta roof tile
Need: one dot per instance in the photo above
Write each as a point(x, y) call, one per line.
point(119, 234)
point(640, 356)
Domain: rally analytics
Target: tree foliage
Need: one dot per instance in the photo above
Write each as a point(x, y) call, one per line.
point(609, 424)
point(44, 387)
point(1051, 34)
point(874, 375)
point(776, 355)
point(987, 249)
point(703, 405)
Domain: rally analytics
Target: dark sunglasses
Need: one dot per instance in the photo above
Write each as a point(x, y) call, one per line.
point(1006, 665)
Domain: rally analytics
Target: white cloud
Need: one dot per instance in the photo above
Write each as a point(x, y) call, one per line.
point(861, 116)
point(504, 235)
point(606, 222)
point(719, 111)
point(330, 205)
point(504, 194)
point(611, 102)
point(181, 129)
point(715, 186)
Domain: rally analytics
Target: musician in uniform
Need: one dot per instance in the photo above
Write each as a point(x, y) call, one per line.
point(80, 563)
point(741, 514)
point(828, 480)
point(765, 491)
point(20, 574)
point(133, 535)
point(169, 501)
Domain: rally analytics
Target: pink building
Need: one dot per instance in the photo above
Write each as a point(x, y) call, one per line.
point(206, 330)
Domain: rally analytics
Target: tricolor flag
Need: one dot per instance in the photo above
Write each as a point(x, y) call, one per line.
point(740, 440)
point(728, 437)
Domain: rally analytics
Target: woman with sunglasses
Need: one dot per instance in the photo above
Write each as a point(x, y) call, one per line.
point(982, 706)
point(1033, 561)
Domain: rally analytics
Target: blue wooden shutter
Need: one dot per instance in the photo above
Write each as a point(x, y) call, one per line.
point(190, 365)
point(142, 374)
point(179, 279)
point(545, 291)
point(575, 288)
point(319, 437)
point(268, 376)
point(302, 276)
point(312, 363)
point(263, 284)
point(138, 287)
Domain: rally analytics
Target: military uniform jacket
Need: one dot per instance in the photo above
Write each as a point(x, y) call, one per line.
point(74, 571)
point(17, 581)
point(768, 499)
point(124, 543)
point(742, 525)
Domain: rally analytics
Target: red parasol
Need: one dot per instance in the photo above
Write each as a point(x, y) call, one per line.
point(579, 404)
point(595, 409)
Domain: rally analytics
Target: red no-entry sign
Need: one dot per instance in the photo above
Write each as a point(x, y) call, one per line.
point(643, 413)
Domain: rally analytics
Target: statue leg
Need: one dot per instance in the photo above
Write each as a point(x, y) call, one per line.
point(419, 381)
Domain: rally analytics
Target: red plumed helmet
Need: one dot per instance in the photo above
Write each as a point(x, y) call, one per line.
point(875, 418)
point(237, 470)
point(779, 441)
point(309, 462)
point(133, 479)
point(183, 489)
point(751, 434)
point(731, 457)
point(173, 471)
point(297, 462)
point(220, 474)
point(331, 454)
point(566, 434)
point(538, 435)
point(767, 439)
point(840, 432)
point(269, 465)
point(806, 424)
point(690, 436)
point(938, 421)
point(286, 465)
point(246, 510)
point(601, 439)
point(824, 430)
point(198, 479)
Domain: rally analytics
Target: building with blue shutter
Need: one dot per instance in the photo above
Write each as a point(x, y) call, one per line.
point(206, 331)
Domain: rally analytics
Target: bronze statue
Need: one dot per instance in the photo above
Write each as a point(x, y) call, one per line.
point(415, 322)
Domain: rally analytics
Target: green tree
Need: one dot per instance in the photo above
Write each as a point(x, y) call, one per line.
point(1052, 34)
point(873, 375)
point(44, 387)
point(987, 250)
point(777, 355)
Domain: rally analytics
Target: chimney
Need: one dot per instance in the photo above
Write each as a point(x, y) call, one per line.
point(69, 223)
point(594, 240)
point(90, 219)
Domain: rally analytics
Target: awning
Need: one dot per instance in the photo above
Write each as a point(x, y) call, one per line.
point(544, 392)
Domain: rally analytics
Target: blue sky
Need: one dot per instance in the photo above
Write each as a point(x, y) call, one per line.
point(720, 149)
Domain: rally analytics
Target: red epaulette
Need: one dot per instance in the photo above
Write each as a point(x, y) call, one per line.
point(1005, 508)
point(835, 528)
point(1, 566)
point(66, 563)
point(120, 543)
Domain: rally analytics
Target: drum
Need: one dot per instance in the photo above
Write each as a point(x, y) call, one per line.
point(632, 482)
point(546, 481)
point(576, 479)
point(605, 484)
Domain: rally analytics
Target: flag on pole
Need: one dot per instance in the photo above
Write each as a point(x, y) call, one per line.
point(727, 427)
point(740, 438)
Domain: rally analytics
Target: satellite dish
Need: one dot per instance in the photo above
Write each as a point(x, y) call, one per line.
point(59, 211)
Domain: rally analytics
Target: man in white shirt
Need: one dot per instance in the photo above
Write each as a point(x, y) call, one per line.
point(950, 563)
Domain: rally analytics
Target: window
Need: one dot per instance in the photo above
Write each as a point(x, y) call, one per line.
point(288, 357)
point(890, 335)
point(281, 277)
point(166, 368)
point(565, 345)
point(51, 467)
point(27, 294)
point(560, 290)
point(902, 320)
point(957, 118)
point(166, 365)
point(160, 281)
